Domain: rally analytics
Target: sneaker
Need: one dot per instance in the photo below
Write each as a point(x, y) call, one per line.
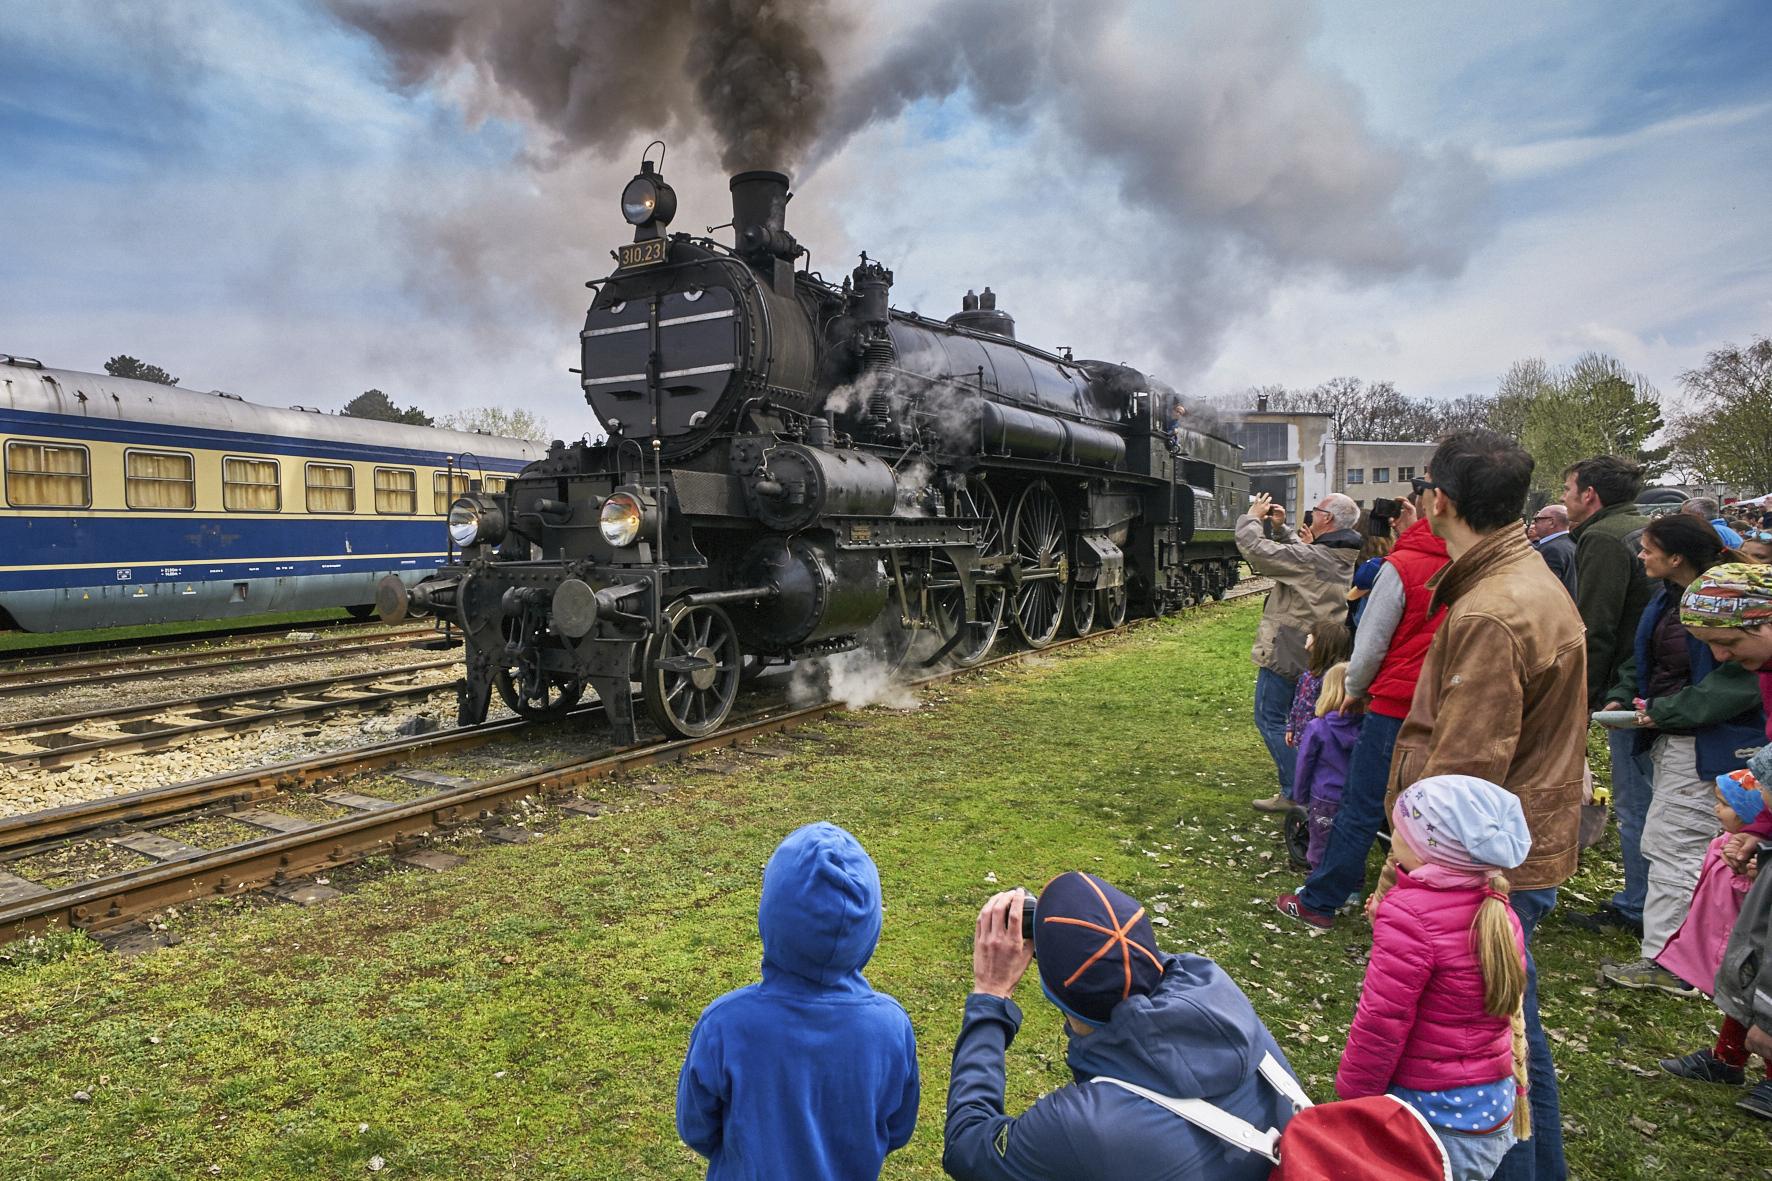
point(1292, 908)
point(1607, 918)
point(1274, 803)
point(1758, 1100)
point(1646, 974)
point(1705, 1067)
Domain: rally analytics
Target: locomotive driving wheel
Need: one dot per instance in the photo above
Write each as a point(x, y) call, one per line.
point(1113, 605)
point(973, 499)
point(540, 699)
point(1082, 613)
point(691, 670)
point(1042, 572)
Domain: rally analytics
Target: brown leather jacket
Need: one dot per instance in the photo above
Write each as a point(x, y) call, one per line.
point(1503, 696)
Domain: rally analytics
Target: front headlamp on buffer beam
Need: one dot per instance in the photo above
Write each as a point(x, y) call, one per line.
point(648, 203)
point(625, 517)
point(475, 521)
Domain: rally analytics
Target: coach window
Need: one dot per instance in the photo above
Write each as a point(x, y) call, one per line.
point(331, 488)
point(496, 485)
point(396, 490)
point(45, 475)
point(445, 487)
point(159, 480)
point(251, 485)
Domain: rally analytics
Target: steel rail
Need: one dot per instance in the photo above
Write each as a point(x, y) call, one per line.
point(118, 899)
point(141, 668)
point(133, 643)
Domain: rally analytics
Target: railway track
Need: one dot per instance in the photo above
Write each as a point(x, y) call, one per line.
point(132, 644)
point(40, 676)
point(278, 849)
point(126, 729)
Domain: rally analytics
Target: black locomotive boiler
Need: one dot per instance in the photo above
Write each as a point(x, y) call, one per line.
point(794, 468)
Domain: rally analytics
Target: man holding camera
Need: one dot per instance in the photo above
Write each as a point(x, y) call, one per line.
point(1174, 1025)
point(1310, 586)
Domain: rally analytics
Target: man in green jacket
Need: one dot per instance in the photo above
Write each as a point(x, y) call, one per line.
point(1611, 592)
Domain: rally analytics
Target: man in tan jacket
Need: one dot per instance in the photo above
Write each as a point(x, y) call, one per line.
point(1310, 586)
point(1503, 696)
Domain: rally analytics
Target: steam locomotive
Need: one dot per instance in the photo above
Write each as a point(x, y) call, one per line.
point(795, 468)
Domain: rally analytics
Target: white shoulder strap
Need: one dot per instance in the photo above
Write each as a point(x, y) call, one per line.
point(1221, 1123)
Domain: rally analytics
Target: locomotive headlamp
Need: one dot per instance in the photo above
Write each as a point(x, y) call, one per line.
point(475, 521)
point(623, 517)
point(648, 200)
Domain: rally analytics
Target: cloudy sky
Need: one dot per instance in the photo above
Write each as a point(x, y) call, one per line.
point(295, 200)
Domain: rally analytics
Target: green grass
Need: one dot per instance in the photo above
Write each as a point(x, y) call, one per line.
point(22, 643)
point(524, 1016)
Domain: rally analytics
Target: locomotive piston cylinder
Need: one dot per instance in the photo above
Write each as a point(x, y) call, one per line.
point(817, 592)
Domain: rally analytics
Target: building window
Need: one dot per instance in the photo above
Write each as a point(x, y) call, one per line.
point(251, 485)
point(159, 479)
point(1381, 475)
point(445, 487)
point(1356, 475)
point(1405, 474)
point(332, 488)
point(1263, 442)
point(44, 475)
point(396, 490)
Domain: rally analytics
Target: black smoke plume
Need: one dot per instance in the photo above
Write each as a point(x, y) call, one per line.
point(596, 73)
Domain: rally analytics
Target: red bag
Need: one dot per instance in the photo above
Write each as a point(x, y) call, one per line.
point(1380, 1138)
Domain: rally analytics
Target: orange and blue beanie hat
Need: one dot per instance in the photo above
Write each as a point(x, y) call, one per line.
point(1095, 947)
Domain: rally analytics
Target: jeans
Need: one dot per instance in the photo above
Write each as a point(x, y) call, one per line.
point(1632, 778)
point(1540, 1158)
point(1273, 701)
point(1343, 869)
point(1475, 1157)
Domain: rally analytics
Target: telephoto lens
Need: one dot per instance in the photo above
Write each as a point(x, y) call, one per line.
point(1029, 900)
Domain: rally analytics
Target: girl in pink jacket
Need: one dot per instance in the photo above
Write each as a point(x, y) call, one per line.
point(1438, 1023)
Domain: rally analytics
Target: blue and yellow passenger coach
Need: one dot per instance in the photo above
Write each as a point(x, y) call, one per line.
point(129, 502)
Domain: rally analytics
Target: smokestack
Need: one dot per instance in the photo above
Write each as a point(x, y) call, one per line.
point(1261, 403)
point(759, 215)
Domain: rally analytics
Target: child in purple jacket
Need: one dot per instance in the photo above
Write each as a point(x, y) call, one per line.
point(1325, 748)
point(1439, 1023)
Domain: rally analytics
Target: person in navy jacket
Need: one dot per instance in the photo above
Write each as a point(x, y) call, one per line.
point(1173, 1024)
point(809, 1073)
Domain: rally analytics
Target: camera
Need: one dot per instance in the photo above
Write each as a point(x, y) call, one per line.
point(1029, 900)
point(1384, 509)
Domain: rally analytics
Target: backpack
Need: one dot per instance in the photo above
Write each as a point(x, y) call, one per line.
point(1380, 1138)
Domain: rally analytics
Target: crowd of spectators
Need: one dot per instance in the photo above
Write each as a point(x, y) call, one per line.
point(1428, 689)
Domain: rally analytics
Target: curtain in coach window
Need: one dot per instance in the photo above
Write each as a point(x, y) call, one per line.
point(250, 486)
point(331, 489)
point(158, 480)
point(41, 475)
point(396, 490)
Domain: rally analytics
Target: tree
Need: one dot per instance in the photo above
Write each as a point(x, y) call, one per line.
point(1593, 407)
point(124, 365)
point(497, 420)
point(1726, 437)
point(377, 405)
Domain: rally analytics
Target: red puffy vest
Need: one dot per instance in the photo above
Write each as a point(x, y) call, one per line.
point(1417, 557)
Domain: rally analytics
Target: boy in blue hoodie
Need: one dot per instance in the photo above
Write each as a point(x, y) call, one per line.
point(810, 1073)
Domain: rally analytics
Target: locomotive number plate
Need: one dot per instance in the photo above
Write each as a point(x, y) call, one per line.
point(643, 254)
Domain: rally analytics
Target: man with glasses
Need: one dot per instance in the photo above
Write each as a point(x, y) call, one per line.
point(1549, 533)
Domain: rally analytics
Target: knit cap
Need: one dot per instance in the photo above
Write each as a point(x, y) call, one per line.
point(1094, 945)
point(1734, 594)
point(1462, 822)
point(1759, 764)
point(1741, 791)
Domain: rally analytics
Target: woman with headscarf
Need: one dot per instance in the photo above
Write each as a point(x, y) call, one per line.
point(1693, 716)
